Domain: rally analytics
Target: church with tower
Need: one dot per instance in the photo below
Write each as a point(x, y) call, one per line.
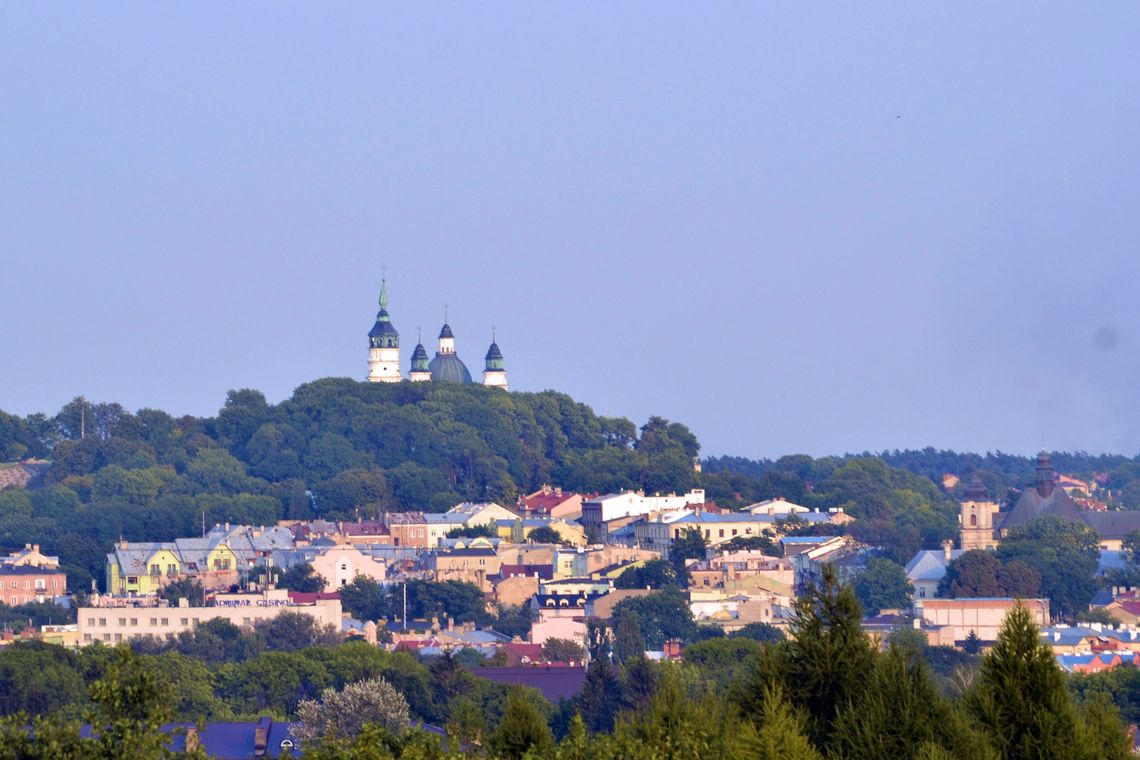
point(446, 367)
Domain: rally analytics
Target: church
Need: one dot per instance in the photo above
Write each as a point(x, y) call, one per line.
point(983, 526)
point(446, 367)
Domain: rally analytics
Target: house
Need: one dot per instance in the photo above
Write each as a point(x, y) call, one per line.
point(480, 513)
point(559, 617)
point(475, 565)
point(339, 565)
point(776, 507)
point(730, 610)
point(512, 590)
point(30, 555)
point(552, 502)
point(598, 511)
point(927, 568)
point(116, 623)
point(23, 584)
point(719, 528)
point(408, 529)
point(949, 622)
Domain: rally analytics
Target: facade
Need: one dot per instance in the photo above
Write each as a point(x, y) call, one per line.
point(339, 565)
point(977, 518)
point(112, 625)
point(23, 584)
point(446, 367)
point(927, 568)
point(603, 509)
point(480, 513)
point(950, 621)
point(467, 565)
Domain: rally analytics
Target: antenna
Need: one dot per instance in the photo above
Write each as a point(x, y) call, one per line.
point(445, 314)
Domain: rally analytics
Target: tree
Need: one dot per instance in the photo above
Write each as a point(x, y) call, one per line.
point(661, 616)
point(599, 700)
point(131, 705)
point(293, 631)
point(628, 639)
point(562, 650)
point(366, 599)
point(344, 714)
point(1131, 547)
point(824, 666)
point(655, 573)
point(689, 545)
point(981, 573)
point(482, 530)
point(302, 577)
point(521, 730)
point(187, 588)
point(782, 732)
point(761, 632)
point(1065, 553)
point(544, 534)
point(883, 584)
point(1021, 701)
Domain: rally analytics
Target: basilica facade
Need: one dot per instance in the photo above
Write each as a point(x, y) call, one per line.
point(446, 367)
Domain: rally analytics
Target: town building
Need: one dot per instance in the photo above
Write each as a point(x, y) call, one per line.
point(600, 510)
point(551, 501)
point(976, 517)
point(949, 622)
point(23, 584)
point(116, 624)
point(30, 555)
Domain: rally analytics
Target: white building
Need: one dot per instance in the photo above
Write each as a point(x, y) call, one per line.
point(596, 512)
point(776, 507)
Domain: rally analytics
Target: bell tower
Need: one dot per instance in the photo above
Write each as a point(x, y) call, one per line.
point(493, 373)
point(383, 345)
point(977, 517)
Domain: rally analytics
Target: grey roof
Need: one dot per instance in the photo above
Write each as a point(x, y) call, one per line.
point(493, 352)
point(445, 331)
point(1112, 525)
point(449, 368)
point(1032, 505)
point(930, 564)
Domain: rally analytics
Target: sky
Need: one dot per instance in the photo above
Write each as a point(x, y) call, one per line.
point(796, 228)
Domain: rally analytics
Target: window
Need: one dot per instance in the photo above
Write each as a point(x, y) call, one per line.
point(118, 637)
point(185, 621)
point(132, 579)
point(1, 584)
point(106, 637)
point(921, 592)
point(54, 583)
point(734, 531)
point(87, 637)
point(172, 570)
point(155, 570)
point(166, 621)
point(27, 585)
point(973, 521)
point(154, 621)
point(41, 584)
point(122, 622)
point(134, 621)
point(721, 533)
point(102, 622)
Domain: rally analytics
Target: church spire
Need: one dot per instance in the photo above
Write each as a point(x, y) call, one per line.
point(383, 344)
point(494, 374)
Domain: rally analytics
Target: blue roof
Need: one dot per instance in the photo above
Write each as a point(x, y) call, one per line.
point(805, 539)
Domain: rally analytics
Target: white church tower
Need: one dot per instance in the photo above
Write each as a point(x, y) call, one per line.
point(383, 345)
point(493, 373)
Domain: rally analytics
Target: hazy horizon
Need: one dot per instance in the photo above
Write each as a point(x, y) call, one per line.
point(795, 230)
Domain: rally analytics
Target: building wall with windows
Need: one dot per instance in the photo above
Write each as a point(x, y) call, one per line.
point(112, 625)
point(23, 584)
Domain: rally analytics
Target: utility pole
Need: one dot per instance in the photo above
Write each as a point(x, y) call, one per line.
point(405, 604)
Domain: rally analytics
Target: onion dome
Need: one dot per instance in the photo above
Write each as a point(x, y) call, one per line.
point(419, 359)
point(494, 357)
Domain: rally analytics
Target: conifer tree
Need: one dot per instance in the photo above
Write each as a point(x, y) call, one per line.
point(900, 711)
point(628, 641)
point(1020, 699)
point(521, 730)
point(600, 698)
point(826, 664)
point(781, 733)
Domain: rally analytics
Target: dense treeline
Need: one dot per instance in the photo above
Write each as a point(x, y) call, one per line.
point(1004, 474)
point(827, 691)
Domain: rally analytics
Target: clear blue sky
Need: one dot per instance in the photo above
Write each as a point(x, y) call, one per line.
point(796, 229)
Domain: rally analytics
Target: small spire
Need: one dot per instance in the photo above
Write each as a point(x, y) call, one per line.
point(384, 294)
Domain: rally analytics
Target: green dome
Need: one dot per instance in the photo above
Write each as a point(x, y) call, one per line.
point(449, 368)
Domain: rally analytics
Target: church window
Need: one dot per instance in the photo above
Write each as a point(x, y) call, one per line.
point(973, 521)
